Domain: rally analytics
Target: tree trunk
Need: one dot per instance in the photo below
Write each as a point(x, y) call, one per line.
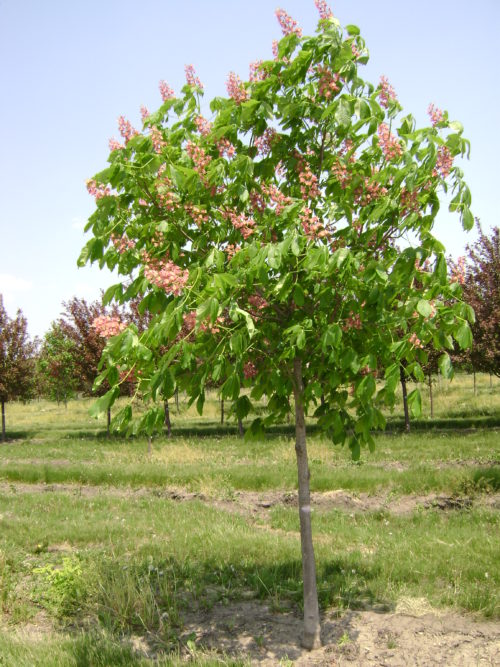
point(405, 398)
point(3, 421)
point(108, 429)
point(241, 430)
point(222, 411)
point(150, 446)
point(311, 635)
point(491, 381)
point(167, 418)
point(430, 396)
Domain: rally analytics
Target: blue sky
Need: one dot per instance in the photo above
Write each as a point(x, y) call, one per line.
point(69, 69)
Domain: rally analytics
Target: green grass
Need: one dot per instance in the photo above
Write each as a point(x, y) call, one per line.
point(221, 466)
point(94, 566)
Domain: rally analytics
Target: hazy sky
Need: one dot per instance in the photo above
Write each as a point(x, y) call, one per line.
point(69, 68)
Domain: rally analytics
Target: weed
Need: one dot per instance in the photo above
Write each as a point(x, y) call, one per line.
point(61, 588)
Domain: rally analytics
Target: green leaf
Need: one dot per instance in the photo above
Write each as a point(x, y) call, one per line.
point(415, 402)
point(246, 316)
point(298, 295)
point(463, 336)
point(331, 337)
point(242, 407)
point(352, 29)
point(104, 402)
point(301, 338)
point(445, 366)
point(467, 219)
point(231, 387)
point(343, 113)
point(236, 343)
point(122, 419)
point(424, 308)
point(200, 403)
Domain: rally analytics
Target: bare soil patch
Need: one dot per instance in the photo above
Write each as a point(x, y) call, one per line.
point(258, 505)
point(252, 630)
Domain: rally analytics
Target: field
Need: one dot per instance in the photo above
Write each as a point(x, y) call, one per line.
point(118, 551)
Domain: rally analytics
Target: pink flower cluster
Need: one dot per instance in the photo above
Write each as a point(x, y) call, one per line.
point(144, 113)
point(191, 78)
point(444, 162)
point(278, 199)
point(327, 83)
point(435, 114)
point(165, 91)
point(249, 370)
point(415, 341)
point(108, 326)
point(189, 320)
point(324, 10)
point(352, 322)
point(157, 138)
point(263, 144)
point(387, 92)
point(235, 88)
point(408, 202)
point(368, 192)
point(288, 25)
point(97, 191)
point(122, 243)
point(257, 302)
point(257, 72)
point(355, 51)
point(231, 249)
point(458, 271)
point(207, 327)
point(225, 148)
point(275, 48)
point(257, 202)
point(203, 126)
point(166, 275)
point(241, 222)
point(391, 148)
point(115, 145)
point(311, 225)
point(341, 173)
point(200, 158)
point(126, 129)
point(308, 183)
point(166, 196)
point(198, 214)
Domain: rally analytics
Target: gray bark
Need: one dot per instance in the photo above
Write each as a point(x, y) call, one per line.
point(168, 424)
point(3, 421)
point(405, 398)
point(311, 635)
point(431, 396)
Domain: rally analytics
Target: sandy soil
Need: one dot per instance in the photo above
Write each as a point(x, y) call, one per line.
point(412, 635)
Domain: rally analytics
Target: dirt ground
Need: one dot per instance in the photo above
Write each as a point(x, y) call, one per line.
point(412, 635)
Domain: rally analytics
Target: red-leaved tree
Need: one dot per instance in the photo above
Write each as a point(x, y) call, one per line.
point(17, 361)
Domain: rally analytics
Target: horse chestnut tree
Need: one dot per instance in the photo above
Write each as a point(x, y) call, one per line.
point(267, 244)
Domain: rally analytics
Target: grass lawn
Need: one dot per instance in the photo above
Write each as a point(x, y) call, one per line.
point(96, 556)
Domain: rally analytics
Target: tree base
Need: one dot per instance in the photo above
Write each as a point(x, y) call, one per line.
point(311, 640)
